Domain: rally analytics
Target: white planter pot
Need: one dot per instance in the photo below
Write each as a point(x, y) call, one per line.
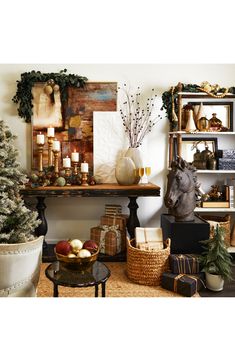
point(20, 268)
point(214, 282)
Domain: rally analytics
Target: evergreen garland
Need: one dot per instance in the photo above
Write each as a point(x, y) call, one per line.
point(24, 96)
point(216, 259)
point(17, 222)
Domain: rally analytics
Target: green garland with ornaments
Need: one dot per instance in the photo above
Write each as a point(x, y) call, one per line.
point(54, 82)
point(169, 97)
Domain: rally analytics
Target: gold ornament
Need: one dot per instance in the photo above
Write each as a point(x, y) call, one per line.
point(48, 90)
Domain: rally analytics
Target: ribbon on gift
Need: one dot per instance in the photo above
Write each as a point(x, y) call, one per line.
point(116, 230)
point(181, 261)
point(189, 276)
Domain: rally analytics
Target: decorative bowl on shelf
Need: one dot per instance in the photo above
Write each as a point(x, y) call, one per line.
point(77, 263)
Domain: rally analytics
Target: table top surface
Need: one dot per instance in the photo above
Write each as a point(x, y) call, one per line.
point(61, 276)
point(98, 190)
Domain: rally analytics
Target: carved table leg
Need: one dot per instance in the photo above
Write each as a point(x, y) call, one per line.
point(133, 220)
point(42, 228)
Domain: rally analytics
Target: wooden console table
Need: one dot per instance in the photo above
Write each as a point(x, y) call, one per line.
point(101, 190)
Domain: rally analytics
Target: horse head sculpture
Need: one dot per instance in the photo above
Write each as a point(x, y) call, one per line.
point(182, 189)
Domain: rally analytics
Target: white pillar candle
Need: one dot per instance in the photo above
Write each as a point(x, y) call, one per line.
point(75, 156)
point(84, 167)
point(66, 162)
point(56, 145)
point(51, 132)
point(40, 138)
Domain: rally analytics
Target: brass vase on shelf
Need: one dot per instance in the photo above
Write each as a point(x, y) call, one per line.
point(203, 124)
point(215, 123)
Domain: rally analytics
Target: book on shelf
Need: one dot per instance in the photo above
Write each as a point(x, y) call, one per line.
point(222, 204)
point(231, 196)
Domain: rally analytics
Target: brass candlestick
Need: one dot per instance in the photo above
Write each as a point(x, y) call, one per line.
point(40, 151)
point(75, 168)
point(56, 162)
point(50, 143)
point(67, 175)
point(84, 178)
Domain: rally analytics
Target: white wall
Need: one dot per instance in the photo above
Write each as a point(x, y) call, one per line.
point(74, 217)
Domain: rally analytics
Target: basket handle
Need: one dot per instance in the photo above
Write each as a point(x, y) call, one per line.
point(167, 242)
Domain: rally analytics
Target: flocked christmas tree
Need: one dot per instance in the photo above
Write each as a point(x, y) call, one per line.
point(216, 259)
point(17, 222)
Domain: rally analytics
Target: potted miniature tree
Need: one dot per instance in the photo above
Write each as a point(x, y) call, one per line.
point(20, 252)
point(216, 262)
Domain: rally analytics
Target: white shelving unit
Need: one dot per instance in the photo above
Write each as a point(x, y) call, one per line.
point(204, 175)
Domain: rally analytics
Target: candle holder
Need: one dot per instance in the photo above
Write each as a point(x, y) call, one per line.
point(67, 175)
point(75, 168)
point(40, 151)
point(84, 178)
point(56, 162)
point(50, 143)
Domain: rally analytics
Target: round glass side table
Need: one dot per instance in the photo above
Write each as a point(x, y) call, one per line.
point(97, 274)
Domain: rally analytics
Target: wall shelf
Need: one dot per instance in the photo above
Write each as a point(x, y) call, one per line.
point(216, 171)
point(201, 133)
point(216, 210)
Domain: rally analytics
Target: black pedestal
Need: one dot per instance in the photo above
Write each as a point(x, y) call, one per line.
point(185, 236)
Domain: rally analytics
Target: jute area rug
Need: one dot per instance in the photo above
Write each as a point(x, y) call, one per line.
point(118, 285)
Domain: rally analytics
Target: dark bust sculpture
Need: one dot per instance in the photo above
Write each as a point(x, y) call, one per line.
point(182, 190)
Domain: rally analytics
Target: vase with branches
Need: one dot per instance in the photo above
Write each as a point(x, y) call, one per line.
point(138, 118)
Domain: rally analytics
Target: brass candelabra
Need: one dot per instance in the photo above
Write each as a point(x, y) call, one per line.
point(56, 162)
point(40, 152)
point(50, 152)
point(84, 178)
point(75, 168)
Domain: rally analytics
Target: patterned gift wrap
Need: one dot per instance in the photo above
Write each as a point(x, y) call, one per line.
point(228, 153)
point(185, 285)
point(150, 246)
point(109, 238)
point(184, 263)
point(117, 220)
point(226, 163)
point(113, 209)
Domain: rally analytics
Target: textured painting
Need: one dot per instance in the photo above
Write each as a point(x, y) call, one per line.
point(75, 132)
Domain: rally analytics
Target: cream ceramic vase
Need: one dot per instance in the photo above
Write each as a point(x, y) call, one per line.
point(190, 126)
point(135, 155)
point(20, 268)
point(125, 171)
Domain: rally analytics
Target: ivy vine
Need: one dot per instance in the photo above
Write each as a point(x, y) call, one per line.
point(24, 97)
point(168, 98)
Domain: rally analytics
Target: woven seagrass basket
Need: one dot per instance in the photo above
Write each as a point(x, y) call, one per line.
point(146, 267)
point(223, 222)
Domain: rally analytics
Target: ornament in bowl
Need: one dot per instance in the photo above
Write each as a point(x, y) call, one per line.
point(74, 254)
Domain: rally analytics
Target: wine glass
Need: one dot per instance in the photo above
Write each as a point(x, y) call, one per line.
point(147, 172)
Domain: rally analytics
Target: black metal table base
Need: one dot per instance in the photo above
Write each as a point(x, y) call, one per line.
point(103, 289)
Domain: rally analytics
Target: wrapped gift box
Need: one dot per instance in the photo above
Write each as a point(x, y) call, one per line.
point(110, 239)
point(184, 263)
point(228, 153)
point(227, 163)
point(185, 285)
point(115, 220)
point(149, 238)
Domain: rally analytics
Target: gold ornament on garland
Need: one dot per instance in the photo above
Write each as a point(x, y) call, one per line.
point(212, 90)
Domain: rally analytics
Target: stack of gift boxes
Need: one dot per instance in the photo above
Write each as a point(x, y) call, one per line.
point(110, 234)
point(227, 160)
point(185, 277)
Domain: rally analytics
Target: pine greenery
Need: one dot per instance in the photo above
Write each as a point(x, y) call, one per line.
point(17, 222)
point(216, 259)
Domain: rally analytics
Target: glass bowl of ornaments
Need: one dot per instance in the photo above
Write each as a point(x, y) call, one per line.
point(76, 255)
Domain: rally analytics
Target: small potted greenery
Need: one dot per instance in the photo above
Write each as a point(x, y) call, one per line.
point(216, 261)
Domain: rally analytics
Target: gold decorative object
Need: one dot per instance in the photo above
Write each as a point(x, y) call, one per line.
point(56, 162)
point(75, 168)
point(215, 123)
point(67, 175)
point(50, 143)
point(84, 178)
point(77, 263)
point(203, 124)
point(212, 90)
point(40, 151)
